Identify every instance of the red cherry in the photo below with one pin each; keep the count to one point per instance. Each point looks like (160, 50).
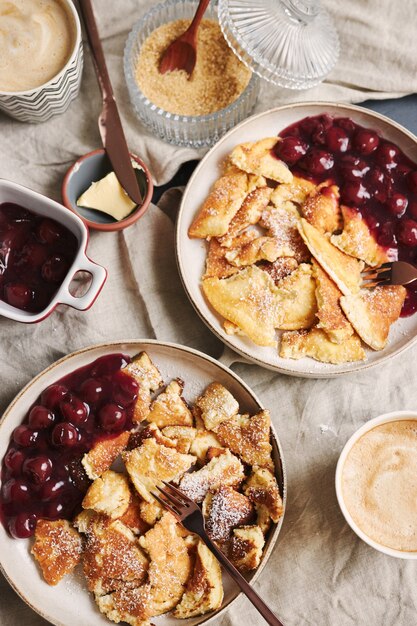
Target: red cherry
(38, 469)
(365, 141)
(397, 204)
(317, 161)
(52, 488)
(22, 526)
(53, 395)
(92, 390)
(18, 295)
(386, 236)
(347, 124)
(337, 139)
(41, 417)
(25, 436)
(49, 231)
(387, 155)
(290, 149)
(125, 389)
(54, 510)
(14, 461)
(407, 232)
(412, 181)
(55, 269)
(354, 193)
(112, 417)
(316, 125)
(64, 435)
(353, 168)
(16, 490)
(73, 409)
(108, 365)
(33, 254)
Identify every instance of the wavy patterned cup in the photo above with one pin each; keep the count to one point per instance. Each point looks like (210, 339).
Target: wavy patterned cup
(55, 96)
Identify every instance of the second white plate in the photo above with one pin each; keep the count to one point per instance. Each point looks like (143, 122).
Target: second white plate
(191, 253)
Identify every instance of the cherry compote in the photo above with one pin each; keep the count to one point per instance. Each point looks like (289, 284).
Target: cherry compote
(35, 255)
(373, 175)
(42, 474)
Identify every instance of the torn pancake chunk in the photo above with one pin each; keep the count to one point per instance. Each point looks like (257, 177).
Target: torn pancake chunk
(57, 548)
(216, 404)
(247, 299)
(170, 408)
(151, 463)
(249, 438)
(204, 590)
(344, 270)
(225, 469)
(357, 241)
(222, 204)
(257, 157)
(330, 315)
(109, 494)
(149, 380)
(372, 311)
(316, 344)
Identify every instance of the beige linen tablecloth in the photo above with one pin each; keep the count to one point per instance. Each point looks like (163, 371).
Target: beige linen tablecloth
(320, 573)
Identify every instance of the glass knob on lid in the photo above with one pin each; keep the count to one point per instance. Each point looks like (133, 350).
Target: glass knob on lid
(290, 43)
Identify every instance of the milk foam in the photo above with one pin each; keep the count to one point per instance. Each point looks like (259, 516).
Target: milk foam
(379, 484)
(36, 40)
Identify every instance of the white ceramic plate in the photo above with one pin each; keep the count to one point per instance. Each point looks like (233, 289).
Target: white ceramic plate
(191, 253)
(70, 603)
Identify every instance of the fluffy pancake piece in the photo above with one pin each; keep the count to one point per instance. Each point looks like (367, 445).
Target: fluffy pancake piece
(296, 191)
(109, 494)
(151, 463)
(262, 490)
(216, 404)
(170, 564)
(249, 214)
(257, 157)
(245, 550)
(182, 436)
(259, 249)
(221, 205)
(225, 509)
(217, 265)
(112, 558)
(225, 469)
(321, 209)
(204, 591)
(130, 605)
(57, 549)
(330, 315)
(282, 223)
(372, 311)
(170, 408)
(248, 299)
(343, 269)
(316, 344)
(103, 454)
(356, 239)
(298, 305)
(248, 437)
(279, 269)
(149, 380)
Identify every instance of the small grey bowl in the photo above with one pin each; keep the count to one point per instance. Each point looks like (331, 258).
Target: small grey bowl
(90, 168)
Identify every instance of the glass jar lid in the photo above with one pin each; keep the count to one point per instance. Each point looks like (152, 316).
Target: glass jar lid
(290, 43)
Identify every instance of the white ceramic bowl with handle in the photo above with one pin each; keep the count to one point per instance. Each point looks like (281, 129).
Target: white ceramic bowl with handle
(387, 418)
(41, 205)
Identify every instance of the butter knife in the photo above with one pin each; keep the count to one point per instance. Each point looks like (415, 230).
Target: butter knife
(109, 123)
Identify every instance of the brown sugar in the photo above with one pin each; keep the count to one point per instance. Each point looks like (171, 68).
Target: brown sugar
(218, 79)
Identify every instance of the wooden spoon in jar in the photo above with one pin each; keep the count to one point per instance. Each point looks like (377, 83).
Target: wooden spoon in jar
(181, 54)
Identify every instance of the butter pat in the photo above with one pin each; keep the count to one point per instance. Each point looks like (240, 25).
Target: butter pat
(107, 195)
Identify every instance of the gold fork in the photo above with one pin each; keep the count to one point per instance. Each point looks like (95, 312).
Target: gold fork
(189, 514)
(394, 273)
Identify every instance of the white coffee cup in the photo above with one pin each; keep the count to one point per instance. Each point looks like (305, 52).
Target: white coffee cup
(53, 97)
(377, 421)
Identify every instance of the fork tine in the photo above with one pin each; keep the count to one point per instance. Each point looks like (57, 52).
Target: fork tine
(373, 272)
(175, 501)
(167, 506)
(371, 284)
(185, 500)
